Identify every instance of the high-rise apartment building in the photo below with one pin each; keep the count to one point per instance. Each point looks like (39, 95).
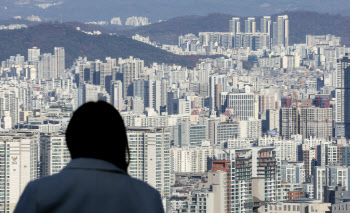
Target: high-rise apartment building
(150, 157)
(19, 163)
(309, 159)
(181, 132)
(164, 94)
(179, 106)
(288, 125)
(281, 31)
(225, 166)
(94, 74)
(272, 120)
(210, 199)
(60, 58)
(235, 25)
(105, 76)
(90, 92)
(320, 181)
(33, 54)
(137, 105)
(265, 25)
(316, 122)
(198, 134)
(274, 33)
(244, 105)
(47, 66)
(131, 69)
(152, 94)
(342, 94)
(260, 41)
(251, 128)
(54, 153)
(202, 200)
(139, 88)
(194, 159)
(117, 95)
(217, 84)
(99, 73)
(329, 176)
(9, 108)
(293, 172)
(225, 131)
(250, 25)
(254, 172)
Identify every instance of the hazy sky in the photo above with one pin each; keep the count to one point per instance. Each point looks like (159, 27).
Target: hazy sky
(91, 10)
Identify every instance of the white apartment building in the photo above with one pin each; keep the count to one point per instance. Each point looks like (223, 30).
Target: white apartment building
(235, 25)
(273, 120)
(90, 92)
(239, 143)
(338, 176)
(268, 140)
(281, 31)
(329, 176)
(201, 201)
(137, 21)
(244, 105)
(251, 128)
(192, 159)
(293, 172)
(150, 157)
(19, 163)
(131, 69)
(248, 177)
(289, 150)
(316, 122)
(313, 142)
(152, 95)
(218, 183)
(333, 154)
(117, 95)
(54, 153)
(212, 197)
(33, 54)
(9, 108)
(300, 206)
(60, 57)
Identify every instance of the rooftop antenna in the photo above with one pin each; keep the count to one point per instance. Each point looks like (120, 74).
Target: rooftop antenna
(61, 19)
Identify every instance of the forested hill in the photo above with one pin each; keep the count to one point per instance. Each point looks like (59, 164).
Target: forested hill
(301, 24)
(76, 43)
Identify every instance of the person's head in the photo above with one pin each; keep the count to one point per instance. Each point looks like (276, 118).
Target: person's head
(96, 130)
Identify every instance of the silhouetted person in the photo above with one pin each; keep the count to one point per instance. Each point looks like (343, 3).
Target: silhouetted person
(96, 179)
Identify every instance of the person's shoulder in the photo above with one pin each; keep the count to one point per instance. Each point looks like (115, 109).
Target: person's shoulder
(46, 181)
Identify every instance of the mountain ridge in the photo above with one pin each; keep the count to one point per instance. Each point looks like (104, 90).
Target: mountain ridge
(76, 43)
(301, 24)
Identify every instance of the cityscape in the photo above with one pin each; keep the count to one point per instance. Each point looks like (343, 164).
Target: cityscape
(257, 125)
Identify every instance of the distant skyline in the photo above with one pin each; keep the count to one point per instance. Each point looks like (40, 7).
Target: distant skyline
(92, 10)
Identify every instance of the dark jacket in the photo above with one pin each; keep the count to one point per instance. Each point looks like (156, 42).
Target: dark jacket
(89, 185)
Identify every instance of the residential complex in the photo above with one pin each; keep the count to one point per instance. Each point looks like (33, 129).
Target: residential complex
(263, 129)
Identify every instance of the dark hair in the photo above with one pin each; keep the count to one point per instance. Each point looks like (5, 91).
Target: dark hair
(96, 130)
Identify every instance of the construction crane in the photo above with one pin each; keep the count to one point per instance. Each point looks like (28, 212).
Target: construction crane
(296, 97)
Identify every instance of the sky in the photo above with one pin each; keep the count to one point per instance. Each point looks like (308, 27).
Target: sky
(95, 10)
